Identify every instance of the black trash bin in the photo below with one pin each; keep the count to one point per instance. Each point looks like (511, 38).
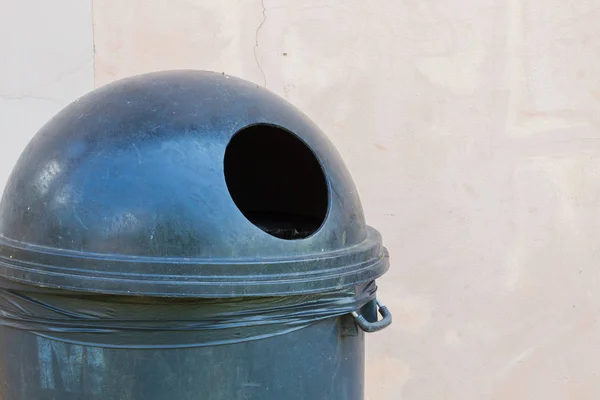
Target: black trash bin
(184, 235)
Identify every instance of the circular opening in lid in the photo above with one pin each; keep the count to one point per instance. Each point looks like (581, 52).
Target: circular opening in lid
(276, 181)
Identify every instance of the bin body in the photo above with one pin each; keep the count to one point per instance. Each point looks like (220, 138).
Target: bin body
(184, 235)
(319, 362)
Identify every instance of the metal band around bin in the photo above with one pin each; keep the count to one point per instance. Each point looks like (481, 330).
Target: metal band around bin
(192, 277)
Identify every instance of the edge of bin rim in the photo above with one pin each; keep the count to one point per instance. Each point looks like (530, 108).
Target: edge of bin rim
(115, 274)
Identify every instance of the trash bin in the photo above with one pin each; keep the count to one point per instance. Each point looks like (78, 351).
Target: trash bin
(184, 235)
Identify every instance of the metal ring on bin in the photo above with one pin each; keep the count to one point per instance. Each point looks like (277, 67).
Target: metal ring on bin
(369, 327)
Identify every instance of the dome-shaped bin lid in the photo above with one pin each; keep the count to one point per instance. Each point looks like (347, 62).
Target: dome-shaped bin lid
(184, 184)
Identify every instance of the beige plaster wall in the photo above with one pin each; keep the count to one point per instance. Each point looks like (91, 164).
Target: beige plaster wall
(472, 131)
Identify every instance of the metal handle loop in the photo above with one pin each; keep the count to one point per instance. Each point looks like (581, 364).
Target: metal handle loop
(384, 322)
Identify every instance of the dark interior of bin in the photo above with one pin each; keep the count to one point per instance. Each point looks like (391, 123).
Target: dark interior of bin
(276, 181)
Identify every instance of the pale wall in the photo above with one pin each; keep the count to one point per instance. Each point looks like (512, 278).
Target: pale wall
(471, 129)
(46, 61)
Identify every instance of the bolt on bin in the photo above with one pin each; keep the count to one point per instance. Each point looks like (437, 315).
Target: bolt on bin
(184, 235)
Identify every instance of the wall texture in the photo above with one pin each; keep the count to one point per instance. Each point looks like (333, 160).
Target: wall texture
(471, 128)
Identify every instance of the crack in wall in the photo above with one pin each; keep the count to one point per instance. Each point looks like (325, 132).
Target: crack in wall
(264, 13)
(29, 97)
